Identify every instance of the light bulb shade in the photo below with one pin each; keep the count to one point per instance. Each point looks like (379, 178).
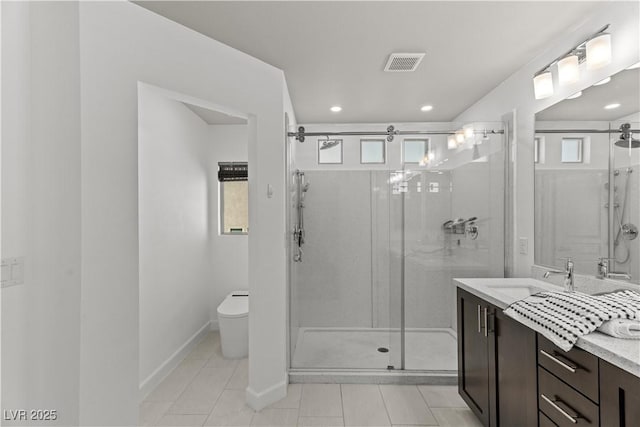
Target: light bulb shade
(543, 85)
(568, 70)
(599, 51)
(459, 137)
(468, 132)
(452, 144)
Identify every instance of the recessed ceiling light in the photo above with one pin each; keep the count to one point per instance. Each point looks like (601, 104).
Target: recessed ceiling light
(634, 66)
(603, 81)
(575, 95)
(426, 108)
(336, 108)
(611, 106)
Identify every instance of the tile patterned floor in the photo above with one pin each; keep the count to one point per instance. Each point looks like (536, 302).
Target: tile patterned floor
(208, 390)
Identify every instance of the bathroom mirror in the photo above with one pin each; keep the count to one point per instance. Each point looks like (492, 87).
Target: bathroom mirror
(587, 176)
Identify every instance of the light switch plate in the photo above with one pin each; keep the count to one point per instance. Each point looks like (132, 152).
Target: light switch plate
(12, 272)
(523, 244)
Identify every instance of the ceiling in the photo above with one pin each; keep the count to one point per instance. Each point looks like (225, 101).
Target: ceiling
(334, 52)
(623, 89)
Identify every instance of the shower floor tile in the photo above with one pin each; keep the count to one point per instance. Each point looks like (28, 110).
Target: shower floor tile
(349, 348)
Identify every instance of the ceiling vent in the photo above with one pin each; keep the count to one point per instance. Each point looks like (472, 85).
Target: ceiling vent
(403, 62)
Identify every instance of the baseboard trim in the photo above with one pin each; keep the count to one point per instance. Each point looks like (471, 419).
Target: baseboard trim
(259, 401)
(152, 381)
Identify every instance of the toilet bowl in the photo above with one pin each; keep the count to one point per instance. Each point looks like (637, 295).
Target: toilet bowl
(233, 319)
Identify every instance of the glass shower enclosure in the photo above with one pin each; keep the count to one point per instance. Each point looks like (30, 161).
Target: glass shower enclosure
(376, 244)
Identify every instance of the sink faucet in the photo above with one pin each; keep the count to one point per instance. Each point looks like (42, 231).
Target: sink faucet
(568, 275)
(604, 273)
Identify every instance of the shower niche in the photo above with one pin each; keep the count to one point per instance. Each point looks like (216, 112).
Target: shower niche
(371, 291)
(587, 180)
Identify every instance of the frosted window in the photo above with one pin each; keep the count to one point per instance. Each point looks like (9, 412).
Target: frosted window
(330, 151)
(571, 150)
(414, 150)
(372, 151)
(234, 207)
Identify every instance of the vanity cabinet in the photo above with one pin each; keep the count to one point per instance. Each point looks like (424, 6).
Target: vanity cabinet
(619, 397)
(496, 364)
(510, 376)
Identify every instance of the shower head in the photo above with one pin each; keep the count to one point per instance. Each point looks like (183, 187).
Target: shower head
(328, 143)
(626, 139)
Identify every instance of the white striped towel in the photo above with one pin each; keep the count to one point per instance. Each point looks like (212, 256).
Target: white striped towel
(563, 317)
(621, 328)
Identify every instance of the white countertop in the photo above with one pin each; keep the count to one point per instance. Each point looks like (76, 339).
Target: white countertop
(622, 353)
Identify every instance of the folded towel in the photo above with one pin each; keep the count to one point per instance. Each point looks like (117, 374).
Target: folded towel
(564, 317)
(621, 328)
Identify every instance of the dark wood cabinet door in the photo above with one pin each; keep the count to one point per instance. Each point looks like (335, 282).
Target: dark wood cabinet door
(619, 397)
(516, 373)
(473, 362)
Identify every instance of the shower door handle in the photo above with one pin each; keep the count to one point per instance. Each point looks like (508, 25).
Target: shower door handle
(479, 320)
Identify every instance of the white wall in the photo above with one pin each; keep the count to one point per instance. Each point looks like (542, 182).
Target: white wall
(121, 44)
(82, 198)
(516, 94)
(41, 207)
(174, 161)
(228, 143)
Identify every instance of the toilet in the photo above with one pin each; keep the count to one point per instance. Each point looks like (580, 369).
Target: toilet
(233, 319)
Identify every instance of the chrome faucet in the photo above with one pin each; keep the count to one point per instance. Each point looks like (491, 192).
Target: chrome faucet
(604, 273)
(569, 285)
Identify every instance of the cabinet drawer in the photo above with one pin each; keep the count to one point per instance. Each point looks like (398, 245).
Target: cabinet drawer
(562, 404)
(545, 421)
(576, 367)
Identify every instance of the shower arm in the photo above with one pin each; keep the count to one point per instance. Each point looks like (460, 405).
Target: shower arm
(391, 131)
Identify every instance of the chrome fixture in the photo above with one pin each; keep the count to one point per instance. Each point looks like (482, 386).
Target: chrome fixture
(328, 143)
(298, 232)
(569, 285)
(390, 133)
(467, 227)
(604, 273)
(626, 139)
(595, 51)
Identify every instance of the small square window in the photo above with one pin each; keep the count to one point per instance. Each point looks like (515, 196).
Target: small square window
(329, 151)
(414, 150)
(571, 150)
(372, 151)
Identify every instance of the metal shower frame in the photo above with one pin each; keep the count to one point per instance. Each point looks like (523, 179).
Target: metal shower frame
(390, 133)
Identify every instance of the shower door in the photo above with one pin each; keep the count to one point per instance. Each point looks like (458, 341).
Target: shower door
(451, 210)
(340, 315)
(371, 283)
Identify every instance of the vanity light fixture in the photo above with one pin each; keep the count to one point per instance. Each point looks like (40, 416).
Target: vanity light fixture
(568, 69)
(468, 132)
(599, 51)
(426, 108)
(459, 137)
(575, 95)
(595, 51)
(543, 85)
(603, 81)
(611, 106)
(336, 109)
(452, 143)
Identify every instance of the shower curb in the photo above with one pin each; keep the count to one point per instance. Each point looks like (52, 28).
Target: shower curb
(373, 377)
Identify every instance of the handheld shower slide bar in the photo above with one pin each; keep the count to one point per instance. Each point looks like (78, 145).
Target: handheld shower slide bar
(298, 233)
